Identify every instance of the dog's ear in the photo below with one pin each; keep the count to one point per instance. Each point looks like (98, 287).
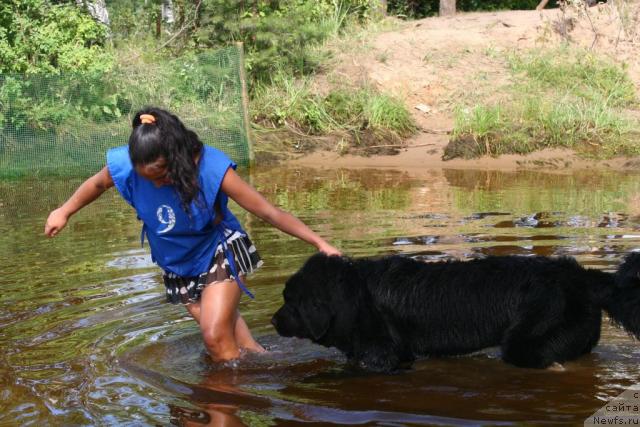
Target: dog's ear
(316, 316)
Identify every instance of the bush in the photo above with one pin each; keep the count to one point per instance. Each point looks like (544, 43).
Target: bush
(275, 34)
(37, 37)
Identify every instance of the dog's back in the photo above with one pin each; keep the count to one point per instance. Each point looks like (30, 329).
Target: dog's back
(457, 307)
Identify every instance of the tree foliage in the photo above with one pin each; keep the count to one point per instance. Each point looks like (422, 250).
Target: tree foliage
(275, 33)
(37, 36)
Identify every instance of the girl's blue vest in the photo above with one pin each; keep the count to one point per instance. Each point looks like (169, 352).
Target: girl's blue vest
(179, 244)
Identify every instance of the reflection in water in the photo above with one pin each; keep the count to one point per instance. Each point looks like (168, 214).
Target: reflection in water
(453, 391)
(85, 339)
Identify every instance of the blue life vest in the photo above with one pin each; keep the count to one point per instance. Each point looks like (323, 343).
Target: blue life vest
(179, 244)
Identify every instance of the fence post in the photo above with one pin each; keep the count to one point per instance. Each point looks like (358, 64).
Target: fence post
(245, 104)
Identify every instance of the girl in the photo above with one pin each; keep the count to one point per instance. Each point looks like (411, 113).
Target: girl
(179, 189)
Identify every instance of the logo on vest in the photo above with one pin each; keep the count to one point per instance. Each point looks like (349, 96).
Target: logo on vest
(166, 216)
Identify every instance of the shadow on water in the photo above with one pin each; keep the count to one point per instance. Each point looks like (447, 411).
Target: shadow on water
(86, 340)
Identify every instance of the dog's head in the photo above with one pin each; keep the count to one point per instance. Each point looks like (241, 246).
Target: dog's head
(317, 301)
(628, 274)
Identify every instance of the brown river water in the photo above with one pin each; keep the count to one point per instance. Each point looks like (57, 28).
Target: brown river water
(86, 339)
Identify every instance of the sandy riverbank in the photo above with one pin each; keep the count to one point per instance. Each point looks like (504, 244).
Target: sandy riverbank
(433, 62)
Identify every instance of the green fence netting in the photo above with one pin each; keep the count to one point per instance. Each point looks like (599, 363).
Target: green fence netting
(62, 125)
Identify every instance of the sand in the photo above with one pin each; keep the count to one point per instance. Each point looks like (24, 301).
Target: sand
(434, 62)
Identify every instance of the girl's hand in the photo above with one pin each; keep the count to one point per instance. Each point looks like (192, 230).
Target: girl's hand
(55, 222)
(328, 249)
(88, 191)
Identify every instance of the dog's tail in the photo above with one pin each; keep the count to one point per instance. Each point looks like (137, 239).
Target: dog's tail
(622, 299)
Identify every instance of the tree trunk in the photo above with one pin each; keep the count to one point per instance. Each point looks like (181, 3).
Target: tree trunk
(167, 12)
(97, 9)
(382, 7)
(158, 23)
(542, 4)
(447, 7)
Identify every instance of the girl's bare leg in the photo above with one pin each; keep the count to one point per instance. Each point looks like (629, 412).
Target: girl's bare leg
(242, 334)
(218, 313)
(244, 338)
(194, 311)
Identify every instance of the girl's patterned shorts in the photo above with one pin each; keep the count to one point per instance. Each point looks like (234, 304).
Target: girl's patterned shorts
(187, 290)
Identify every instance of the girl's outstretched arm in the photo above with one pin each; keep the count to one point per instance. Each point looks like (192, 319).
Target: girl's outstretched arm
(251, 200)
(88, 191)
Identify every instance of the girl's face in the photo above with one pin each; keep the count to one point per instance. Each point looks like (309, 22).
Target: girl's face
(156, 172)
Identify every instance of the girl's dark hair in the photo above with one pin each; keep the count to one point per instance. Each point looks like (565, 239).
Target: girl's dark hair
(168, 138)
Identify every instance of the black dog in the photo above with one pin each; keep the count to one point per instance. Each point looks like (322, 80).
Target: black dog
(383, 313)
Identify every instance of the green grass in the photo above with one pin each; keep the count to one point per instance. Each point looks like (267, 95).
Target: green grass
(359, 113)
(386, 112)
(559, 98)
(576, 72)
(293, 107)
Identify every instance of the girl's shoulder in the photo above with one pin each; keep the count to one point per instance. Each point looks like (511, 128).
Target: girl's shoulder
(217, 159)
(118, 161)
(213, 152)
(121, 169)
(120, 151)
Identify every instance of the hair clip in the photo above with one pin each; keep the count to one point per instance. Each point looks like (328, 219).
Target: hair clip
(147, 119)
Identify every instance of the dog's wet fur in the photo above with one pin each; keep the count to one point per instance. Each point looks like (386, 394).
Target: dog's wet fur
(384, 313)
